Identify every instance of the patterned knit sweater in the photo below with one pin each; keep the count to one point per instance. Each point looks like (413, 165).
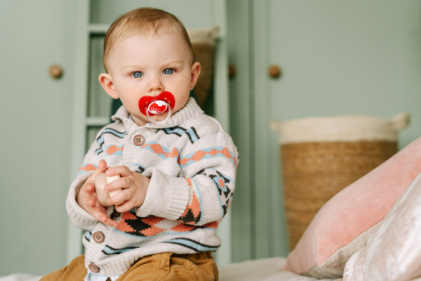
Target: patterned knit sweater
(191, 163)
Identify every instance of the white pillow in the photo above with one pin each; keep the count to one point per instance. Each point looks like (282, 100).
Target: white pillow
(393, 252)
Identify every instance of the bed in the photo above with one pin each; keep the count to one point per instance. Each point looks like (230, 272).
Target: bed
(263, 269)
(257, 270)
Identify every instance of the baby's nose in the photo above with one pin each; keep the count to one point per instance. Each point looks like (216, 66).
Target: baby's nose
(155, 86)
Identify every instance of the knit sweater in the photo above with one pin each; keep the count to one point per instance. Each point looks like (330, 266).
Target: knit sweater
(191, 163)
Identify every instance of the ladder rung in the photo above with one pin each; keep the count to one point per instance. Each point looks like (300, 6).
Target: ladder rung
(97, 121)
(98, 29)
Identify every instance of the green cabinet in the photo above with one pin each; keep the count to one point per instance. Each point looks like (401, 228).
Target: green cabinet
(36, 117)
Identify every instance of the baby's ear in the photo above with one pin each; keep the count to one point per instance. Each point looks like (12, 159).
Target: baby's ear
(195, 72)
(106, 82)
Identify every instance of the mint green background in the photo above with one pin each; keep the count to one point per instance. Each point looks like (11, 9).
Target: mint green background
(338, 57)
(35, 121)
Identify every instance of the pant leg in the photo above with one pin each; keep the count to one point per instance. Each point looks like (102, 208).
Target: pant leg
(199, 266)
(75, 271)
(169, 266)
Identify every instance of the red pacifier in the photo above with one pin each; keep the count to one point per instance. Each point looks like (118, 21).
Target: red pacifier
(150, 106)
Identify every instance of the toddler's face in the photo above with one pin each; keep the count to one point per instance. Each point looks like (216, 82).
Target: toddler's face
(147, 66)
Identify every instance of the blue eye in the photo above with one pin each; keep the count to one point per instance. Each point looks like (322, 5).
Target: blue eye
(137, 74)
(168, 71)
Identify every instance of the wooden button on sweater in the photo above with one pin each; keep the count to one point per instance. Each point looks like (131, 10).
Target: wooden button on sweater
(93, 268)
(138, 140)
(98, 237)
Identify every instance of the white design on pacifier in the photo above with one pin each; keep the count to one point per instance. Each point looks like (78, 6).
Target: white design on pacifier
(158, 107)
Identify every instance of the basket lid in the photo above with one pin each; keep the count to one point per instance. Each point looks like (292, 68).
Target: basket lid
(340, 128)
(203, 36)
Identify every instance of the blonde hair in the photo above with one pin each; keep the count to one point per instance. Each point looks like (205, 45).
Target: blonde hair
(144, 21)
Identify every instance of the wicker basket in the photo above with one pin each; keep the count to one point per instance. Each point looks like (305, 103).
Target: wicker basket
(203, 42)
(321, 156)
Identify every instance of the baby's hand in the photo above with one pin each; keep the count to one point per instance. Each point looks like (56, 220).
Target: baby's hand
(134, 187)
(87, 198)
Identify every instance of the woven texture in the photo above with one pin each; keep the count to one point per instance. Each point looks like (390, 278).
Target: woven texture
(313, 172)
(205, 55)
(203, 42)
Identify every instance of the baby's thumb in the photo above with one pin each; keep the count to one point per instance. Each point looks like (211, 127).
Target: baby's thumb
(102, 167)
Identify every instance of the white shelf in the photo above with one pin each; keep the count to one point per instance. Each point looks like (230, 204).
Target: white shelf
(98, 29)
(97, 121)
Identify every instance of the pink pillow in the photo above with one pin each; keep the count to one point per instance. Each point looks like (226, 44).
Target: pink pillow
(343, 225)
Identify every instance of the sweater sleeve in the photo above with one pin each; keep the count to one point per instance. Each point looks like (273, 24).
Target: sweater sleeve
(203, 192)
(77, 214)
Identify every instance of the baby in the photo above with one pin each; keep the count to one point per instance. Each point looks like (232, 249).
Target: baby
(177, 169)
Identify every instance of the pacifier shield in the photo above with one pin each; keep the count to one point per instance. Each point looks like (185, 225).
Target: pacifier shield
(156, 105)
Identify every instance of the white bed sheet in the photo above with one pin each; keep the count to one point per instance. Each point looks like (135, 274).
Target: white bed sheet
(261, 270)
(20, 277)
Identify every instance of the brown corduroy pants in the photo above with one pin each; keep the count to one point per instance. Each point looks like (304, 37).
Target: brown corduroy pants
(165, 266)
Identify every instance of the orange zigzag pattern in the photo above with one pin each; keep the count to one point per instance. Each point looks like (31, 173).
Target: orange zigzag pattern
(194, 205)
(213, 225)
(184, 228)
(87, 168)
(157, 149)
(113, 149)
(153, 230)
(200, 154)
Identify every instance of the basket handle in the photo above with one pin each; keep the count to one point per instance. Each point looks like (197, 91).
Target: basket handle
(399, 121)
(275, 125)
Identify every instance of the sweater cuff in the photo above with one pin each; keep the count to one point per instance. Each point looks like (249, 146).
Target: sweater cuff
(167, 197)
(77, 214)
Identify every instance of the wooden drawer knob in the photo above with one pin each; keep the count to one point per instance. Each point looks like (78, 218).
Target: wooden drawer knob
(55, 71)
(274, 71)
(231, 70)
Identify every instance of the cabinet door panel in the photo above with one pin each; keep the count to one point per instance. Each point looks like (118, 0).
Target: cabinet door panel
(35, 114)
(346, 57)
(338, 58)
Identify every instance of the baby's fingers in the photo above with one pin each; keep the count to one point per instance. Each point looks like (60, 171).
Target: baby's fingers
(123, 171)
(117, 184)
(90, 188)
(119, 198)
(104, 219)
(91, 202)
(102, 167)
(126, 206)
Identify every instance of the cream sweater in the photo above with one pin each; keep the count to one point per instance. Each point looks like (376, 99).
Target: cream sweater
(191, 163)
